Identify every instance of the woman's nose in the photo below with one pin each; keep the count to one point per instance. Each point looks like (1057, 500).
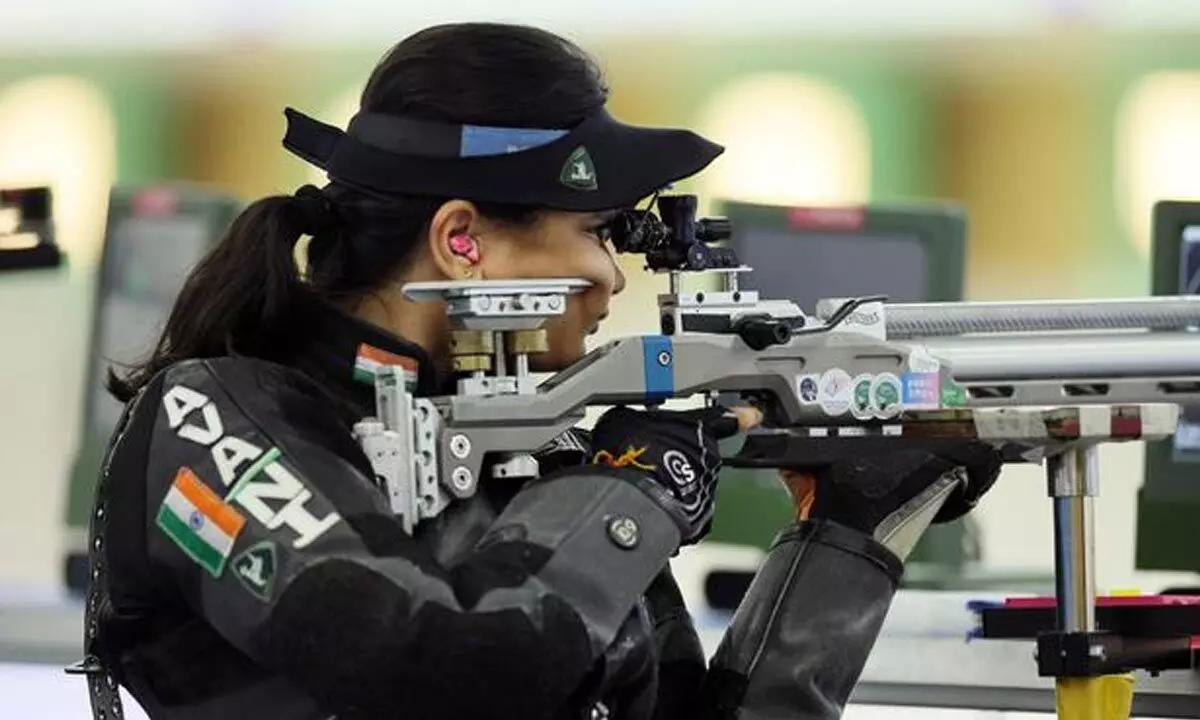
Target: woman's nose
(618, 278)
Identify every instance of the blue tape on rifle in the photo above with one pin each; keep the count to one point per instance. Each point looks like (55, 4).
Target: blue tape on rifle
(658, 356)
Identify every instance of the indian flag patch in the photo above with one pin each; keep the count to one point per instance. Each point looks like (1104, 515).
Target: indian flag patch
(202, 524)
(371, 358)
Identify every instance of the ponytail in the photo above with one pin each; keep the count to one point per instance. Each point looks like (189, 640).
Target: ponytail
(245, 297)
(241, 298)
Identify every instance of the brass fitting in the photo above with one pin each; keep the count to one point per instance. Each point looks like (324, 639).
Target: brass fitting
(524, 342)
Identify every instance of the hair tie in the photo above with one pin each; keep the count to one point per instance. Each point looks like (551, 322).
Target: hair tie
(315, 212)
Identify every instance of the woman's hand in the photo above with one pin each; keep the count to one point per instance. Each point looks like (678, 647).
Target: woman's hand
(677, 451)
(871, 493)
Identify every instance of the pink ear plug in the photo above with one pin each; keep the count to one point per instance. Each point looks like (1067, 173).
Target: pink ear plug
(465, 246)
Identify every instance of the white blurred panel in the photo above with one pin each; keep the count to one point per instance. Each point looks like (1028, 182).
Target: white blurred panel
(789, 139)
(1157, 147)
(58, 131)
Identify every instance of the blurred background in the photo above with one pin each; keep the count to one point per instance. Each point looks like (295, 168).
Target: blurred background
(1055, 124)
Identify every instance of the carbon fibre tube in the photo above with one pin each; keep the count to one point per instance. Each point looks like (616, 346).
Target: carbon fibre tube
(916, 320)
(1067, 356)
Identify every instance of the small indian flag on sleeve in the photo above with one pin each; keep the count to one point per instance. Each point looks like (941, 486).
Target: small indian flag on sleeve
(202, 524)
(370, 358)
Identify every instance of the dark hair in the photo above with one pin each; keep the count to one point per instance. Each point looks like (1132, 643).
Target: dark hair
(243, 297)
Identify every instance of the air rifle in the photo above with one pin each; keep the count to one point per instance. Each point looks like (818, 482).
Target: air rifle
(1033, 377)
(1044, 381)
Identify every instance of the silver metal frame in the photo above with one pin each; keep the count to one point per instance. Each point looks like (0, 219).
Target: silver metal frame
(1013, 364)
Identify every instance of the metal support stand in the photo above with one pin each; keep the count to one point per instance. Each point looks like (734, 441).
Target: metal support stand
(1074, 481)
(1077, 653)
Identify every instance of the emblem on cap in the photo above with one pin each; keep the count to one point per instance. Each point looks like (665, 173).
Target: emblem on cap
(578, 172)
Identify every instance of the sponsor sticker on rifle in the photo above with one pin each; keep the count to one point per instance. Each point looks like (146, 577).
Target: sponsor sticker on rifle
(860, 397)
(886, 396)
(920, 390)
(920, 361)
(834, 392)
(807, 388)
(953, 395)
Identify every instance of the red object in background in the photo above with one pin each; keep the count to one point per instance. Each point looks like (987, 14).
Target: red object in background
(1134, 601)
(155, 201)
(827, 218)
(1110, 601)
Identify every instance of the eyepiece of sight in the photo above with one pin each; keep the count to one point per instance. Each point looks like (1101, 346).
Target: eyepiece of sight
(674, 239)
(710, 230)
(637, 231)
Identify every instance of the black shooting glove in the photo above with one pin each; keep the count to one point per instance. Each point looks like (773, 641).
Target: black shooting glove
(572, 448)
(895, 495)
(982, 463)
(675, 450)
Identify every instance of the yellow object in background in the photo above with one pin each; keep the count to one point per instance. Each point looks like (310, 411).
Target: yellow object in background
(1109, 697)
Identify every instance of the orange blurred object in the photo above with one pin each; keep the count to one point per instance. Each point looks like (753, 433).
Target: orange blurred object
(803, 489)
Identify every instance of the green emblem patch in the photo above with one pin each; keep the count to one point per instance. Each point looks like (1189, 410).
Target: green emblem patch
(255, 568)
(578, 172)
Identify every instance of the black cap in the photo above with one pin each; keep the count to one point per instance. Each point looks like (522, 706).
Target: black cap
(600, 164)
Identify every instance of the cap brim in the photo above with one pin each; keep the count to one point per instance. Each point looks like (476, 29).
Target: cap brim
(599, 165)
(633, 162)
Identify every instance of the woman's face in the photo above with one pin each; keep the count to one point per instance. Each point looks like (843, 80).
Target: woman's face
(559, 245)
(556, 245)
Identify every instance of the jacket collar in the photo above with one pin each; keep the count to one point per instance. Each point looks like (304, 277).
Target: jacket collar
(342, 352)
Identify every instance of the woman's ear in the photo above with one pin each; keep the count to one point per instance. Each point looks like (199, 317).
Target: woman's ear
(455, 250)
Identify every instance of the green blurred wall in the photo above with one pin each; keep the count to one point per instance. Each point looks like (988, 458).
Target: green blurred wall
(144, 99)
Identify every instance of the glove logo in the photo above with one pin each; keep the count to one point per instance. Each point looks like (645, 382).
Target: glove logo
(629, 458)
(679, 468)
